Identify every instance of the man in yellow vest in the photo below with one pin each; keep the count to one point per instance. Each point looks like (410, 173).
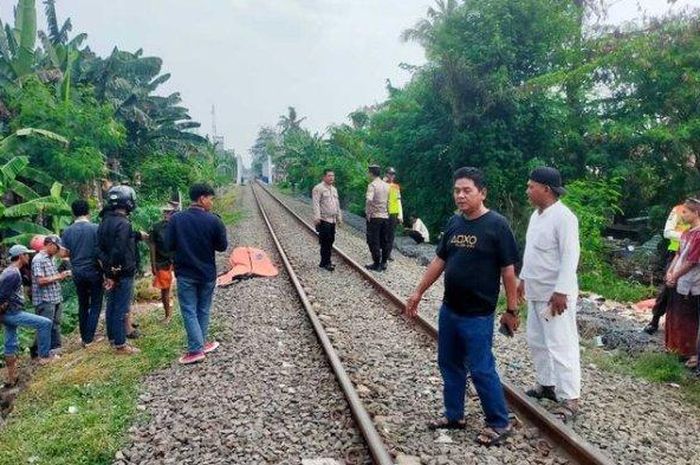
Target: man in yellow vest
(395, 207)
(674, 228)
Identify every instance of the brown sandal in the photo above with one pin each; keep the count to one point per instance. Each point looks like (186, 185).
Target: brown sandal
(567, 411)
(444, 423)
(127, 350)
(490, 436)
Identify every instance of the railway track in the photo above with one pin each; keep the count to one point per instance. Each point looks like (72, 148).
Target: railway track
(563, 441)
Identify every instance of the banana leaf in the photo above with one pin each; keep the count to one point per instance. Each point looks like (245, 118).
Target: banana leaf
(21, 189)
(25, 25)
(48, 205)
(25, 227)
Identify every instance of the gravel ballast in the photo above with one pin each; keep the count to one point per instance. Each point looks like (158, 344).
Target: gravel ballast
(633, 421)
(393, 365)
(266, 396)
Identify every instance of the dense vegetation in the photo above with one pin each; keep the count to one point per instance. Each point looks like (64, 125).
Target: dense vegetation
(513, 84)
(70, 120)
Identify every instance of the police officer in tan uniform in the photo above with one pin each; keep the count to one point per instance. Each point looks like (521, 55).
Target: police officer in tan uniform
(327, 214)
(377, 214)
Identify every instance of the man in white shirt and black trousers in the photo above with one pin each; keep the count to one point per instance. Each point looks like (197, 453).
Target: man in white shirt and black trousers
(327, 214)
(550, 287)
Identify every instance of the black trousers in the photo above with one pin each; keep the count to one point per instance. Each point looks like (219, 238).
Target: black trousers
(326, 237)
(661, 303)
(393, 222)
(90, 294)
(378, 239)
(416, 236)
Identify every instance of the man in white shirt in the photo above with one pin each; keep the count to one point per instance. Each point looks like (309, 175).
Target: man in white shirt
(327, 214)
(418, 231)
(549, 284)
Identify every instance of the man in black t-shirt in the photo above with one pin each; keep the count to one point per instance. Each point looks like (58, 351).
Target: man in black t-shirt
(477, 251)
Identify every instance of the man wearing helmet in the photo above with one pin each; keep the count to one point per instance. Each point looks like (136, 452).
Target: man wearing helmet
(116, 243)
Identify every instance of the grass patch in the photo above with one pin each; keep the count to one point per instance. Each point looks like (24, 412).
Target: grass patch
(656, 367)
(103, 387)
(225, 206)
(609, 285)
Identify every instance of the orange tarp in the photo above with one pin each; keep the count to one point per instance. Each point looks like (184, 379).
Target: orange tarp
(247, 262)
(644, 305)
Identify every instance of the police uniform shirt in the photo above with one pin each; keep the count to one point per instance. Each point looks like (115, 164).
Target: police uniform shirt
(474, 252)
(377, 199)
(325, 203)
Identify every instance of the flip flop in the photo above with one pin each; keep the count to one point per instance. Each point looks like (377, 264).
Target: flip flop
(566, 412)
(490, 436)
(444, 423)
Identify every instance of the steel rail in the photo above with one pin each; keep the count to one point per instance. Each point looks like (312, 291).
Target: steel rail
(376, 446)
(562, 435)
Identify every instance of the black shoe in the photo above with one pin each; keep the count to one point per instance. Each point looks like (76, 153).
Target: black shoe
(328, 267)
(650, 328)
(383, 266)
(374, 267)
(542, 392)
(391, 259)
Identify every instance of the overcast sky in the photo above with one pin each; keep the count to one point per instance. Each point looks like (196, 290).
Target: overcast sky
(254, 58)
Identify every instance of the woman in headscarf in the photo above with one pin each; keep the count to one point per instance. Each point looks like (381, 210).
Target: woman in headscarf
(684, 277)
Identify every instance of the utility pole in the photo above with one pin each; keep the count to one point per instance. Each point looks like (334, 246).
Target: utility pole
(213, 122)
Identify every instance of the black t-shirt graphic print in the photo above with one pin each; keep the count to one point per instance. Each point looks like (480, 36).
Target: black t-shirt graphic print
(474, 252)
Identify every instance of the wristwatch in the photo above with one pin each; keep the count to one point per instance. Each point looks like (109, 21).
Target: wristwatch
(513, 312)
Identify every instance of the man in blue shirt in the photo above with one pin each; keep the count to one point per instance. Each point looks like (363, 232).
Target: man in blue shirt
(477, 251)
(80, 242)
(195, 235)
(13, 316)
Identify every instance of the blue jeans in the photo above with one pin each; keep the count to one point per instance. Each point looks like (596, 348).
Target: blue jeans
(195, 304)
(118, 303)
(90, 293)
(465, 346)
(15, 318)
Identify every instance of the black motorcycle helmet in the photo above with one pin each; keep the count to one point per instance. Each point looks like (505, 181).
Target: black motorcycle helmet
(121, 197)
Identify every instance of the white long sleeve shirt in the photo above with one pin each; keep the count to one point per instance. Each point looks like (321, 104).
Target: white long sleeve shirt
(419, 226)
(551, 253)
(671, 229)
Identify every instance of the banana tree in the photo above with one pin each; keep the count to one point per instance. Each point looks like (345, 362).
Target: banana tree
(26, 218)
(17, 44)
(60, 56)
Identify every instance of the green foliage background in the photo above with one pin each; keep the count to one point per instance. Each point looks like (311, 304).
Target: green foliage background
(514, 84)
